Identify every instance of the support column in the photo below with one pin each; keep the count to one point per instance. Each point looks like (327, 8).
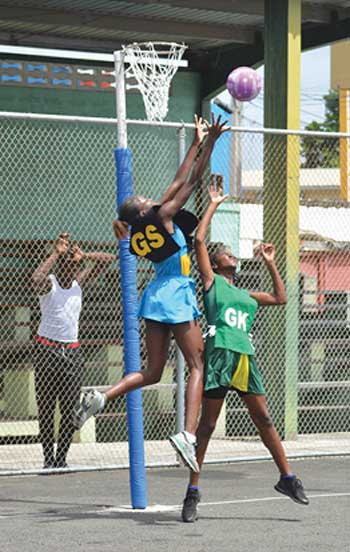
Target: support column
(343, 144)
(281, 205)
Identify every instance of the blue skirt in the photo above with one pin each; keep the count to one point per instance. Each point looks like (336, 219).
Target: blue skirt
(170, 299)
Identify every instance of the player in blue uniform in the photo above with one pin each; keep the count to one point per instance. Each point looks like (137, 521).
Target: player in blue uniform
(159, 232)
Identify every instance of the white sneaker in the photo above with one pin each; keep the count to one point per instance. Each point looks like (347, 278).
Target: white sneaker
(186, 450)
(92, 402)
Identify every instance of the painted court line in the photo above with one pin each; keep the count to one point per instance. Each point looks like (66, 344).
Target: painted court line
(268, 498)
(159, 508)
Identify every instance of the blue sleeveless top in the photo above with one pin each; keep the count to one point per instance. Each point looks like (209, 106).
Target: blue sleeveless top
(171, 297)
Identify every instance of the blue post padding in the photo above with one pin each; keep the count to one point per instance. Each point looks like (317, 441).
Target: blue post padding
(138, 488)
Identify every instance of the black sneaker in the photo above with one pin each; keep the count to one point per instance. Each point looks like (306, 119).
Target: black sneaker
(292, 487)
(189, 508)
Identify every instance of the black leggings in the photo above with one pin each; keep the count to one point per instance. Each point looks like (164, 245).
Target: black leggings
(58, 376)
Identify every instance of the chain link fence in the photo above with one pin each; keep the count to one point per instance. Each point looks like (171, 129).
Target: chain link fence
(58, 174)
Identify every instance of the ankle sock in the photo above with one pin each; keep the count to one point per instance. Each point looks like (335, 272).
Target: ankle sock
(193, 488)
(288, 476)
(190, 437)
(102, 400)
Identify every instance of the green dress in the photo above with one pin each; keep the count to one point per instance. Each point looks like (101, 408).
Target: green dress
(229, 353)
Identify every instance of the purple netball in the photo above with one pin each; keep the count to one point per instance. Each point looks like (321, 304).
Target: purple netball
(244, 84)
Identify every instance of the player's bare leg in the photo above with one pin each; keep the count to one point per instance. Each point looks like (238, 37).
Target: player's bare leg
(157, 344)
(189, 338)
(211, 409)
(288, 483)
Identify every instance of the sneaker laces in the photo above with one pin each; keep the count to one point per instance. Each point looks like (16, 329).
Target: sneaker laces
(88, 399)
(192, 497)
(299, 487)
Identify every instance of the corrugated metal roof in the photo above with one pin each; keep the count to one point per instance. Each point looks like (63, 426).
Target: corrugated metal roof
(329, 3)
(147, 9)
(202, 25)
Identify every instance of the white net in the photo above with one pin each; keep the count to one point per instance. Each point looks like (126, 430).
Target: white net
(153, 65)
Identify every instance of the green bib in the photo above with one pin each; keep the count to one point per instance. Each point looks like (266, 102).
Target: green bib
(234, 316)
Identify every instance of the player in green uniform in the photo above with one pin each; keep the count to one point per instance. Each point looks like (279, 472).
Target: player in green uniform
(229, 355)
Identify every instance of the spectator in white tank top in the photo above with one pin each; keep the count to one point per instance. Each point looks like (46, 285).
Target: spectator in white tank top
(58, 359)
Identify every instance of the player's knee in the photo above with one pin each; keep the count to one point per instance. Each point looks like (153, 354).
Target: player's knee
(156, 378)
(196, 363)
(152, 377)
(263, 420)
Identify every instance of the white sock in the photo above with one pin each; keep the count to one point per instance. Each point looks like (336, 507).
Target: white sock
(190, 437)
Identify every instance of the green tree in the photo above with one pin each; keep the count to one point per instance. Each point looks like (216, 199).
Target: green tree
(323, 152)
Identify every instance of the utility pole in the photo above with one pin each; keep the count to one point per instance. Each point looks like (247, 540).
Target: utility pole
(234, 108)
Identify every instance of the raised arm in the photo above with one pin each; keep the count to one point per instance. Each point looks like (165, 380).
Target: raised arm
(121, 228)
(279, 296)
(40, 277)
(206, 272)
(186, 166)
(100, 263)
(169, 209)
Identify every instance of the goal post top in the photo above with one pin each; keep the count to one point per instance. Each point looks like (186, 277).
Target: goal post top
(82, 56)
(160, 48)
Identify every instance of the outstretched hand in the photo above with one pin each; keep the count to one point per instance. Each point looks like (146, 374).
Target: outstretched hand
(200, 129)
(120, 229)
(216, 194)
(216, 128)
(77, 254)
(62, 243)
(268, 252)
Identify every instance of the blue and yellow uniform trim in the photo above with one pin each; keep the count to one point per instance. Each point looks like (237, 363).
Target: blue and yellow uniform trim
(171, 297)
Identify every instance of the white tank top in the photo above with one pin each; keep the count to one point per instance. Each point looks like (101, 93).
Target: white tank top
(60, 311)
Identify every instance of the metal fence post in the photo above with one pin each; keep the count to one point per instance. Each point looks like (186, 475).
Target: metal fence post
(128, 269)
(180, 361)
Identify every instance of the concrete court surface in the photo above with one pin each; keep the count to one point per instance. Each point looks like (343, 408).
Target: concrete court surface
(240, 511)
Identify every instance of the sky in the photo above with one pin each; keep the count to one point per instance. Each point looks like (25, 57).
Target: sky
(315, 83)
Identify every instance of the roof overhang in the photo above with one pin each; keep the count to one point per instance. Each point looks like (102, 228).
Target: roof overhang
(221, 35)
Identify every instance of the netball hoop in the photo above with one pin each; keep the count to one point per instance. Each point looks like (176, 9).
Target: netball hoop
(150, 67)
(153, 66)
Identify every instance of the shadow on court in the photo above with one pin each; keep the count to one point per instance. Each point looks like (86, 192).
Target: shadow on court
(239, 511)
